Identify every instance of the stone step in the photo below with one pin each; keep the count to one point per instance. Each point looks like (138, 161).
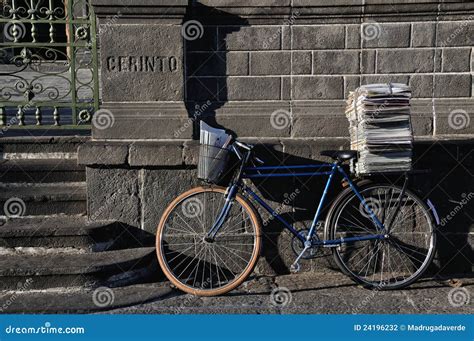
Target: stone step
(41, 171)
(71, 231)
(81, 300)
(73, 269)
(31, 199)
(41, 147)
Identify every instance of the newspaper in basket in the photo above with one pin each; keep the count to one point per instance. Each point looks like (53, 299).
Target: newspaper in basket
(213, 153)
(380, 127)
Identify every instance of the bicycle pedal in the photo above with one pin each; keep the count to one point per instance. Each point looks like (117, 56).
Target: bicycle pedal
(295, 267)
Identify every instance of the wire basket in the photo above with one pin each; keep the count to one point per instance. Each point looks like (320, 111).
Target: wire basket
(213, 163)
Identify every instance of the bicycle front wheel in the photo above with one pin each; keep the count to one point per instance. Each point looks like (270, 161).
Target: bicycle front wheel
(395, 261)
(196, 265)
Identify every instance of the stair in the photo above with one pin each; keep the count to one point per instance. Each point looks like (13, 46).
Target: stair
(41, 171)
(46, 241)
(69, 251)
(43, 199)
(40, 176)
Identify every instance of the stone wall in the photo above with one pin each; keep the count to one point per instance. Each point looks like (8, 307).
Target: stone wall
(276, 74)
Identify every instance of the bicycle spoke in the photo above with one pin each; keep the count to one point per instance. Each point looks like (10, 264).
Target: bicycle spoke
(202, 264)
(393, 261)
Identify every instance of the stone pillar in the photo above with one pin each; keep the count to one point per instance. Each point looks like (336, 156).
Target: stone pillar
(142, 69)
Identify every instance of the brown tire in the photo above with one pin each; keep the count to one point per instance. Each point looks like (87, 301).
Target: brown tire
(162, 244)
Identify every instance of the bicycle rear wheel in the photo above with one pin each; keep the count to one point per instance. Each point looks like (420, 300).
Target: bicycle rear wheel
(207, 268)
(399, 259)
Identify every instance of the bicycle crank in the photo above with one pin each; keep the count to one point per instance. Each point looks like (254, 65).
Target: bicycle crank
(298, 246)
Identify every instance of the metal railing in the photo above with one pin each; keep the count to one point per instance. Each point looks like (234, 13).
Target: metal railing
(48, 64)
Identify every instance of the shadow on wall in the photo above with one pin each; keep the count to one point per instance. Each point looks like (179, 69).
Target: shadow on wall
(206, 67)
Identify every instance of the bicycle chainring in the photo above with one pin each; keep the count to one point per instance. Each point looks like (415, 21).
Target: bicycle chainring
(298, 246)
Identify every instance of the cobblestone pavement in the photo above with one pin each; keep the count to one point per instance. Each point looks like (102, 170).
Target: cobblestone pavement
(312, 293)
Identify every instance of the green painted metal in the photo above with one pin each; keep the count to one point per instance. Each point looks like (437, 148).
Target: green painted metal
(48, 64)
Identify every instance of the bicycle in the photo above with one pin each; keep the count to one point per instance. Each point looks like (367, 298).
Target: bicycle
(209, 238)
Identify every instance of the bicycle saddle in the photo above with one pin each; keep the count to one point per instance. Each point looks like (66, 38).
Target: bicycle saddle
(341, 155)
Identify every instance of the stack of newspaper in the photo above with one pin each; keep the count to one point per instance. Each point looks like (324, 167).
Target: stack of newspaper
(380, 127)
(215, 137)
(213, 153)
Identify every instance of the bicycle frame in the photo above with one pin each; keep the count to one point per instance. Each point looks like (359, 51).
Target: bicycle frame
(324, 169)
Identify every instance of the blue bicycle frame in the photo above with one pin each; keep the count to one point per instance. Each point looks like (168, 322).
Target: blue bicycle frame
(324, 169)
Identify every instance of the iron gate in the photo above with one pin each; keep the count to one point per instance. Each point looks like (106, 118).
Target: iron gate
(48, 64)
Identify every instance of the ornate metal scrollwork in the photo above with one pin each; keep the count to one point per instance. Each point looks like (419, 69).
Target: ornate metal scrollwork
(48, 62)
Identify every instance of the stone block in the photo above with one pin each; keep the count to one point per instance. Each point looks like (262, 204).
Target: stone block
(217, 64)
(311, 149)
(191, 152)
(252, 88)
(286, 37)
(336, 62)
(423, 34)
(452, 85)
(202, 89)
(318, 37)
(270, 63)
(102, 153)
(350, 84)
(253, 38)
(322, 87)
(113, 194)
(367, 64)
(422, 117)
(286, 88)
(375, 34)
(320, 119)
(146, 69)
(421, 86)
(405, 61)
(456, 60)
(455, 33)
(156, 154)
(237, 63)
(353, 37)
(159, 188)
(371, 79)
(454, 117)
(250, 119)
(302, 63)
(145, 121)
